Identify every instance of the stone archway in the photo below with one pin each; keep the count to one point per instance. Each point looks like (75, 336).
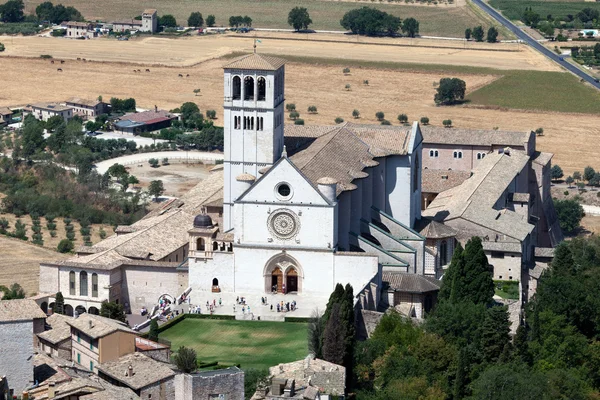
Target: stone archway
(93, 310)
(284, 273)
(44, 307)
(80, 310)
(68, 310)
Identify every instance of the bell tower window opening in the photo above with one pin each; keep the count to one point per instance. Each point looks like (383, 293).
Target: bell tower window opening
(262, 89)
(252, 123)
(237, 88)
(248, 88)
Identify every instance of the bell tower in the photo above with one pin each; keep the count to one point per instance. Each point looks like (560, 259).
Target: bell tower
(253, 121)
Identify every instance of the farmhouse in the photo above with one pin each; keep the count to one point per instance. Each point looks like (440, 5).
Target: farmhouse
(87, 108)
(56, 342)
(149, 20)
(45, 111)
(20, 320)
(146, 121)
(80, 29)
(126, 25)
(5, 115)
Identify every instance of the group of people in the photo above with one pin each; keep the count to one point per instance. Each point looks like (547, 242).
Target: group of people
(240, 300)
(285, 307)
(275, 287)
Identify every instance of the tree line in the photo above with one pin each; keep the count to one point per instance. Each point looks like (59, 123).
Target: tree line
(13, 11)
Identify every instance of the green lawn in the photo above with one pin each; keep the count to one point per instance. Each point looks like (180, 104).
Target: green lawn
(252, 344)
(513, 9)
(538, 90)
(434, 20)
(507, 289)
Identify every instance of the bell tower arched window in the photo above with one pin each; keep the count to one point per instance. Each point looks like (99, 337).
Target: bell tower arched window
(262, 88)
(83, 283)
(237, 88)
(248, 88)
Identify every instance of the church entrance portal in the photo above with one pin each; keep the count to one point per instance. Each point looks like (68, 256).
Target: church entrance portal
(291, 284)
(283, 274)
(277, 280)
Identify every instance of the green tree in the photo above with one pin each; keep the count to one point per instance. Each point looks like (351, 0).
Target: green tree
(195, 19)
(356, 113)
(312, 109)
(32, 139)
(290, 107)
(510, 381)
(447, 123)
(521, 345)
(153, 332)
(64, 246)
(577, 176)
(450, 91)
(4, 226)
(468, 33)
(570, 213)
(492, 35)
(588, 173)
(556, 172)
(495, 333)
(113, 310)
(410, 27)
(478, 33)
(12, 11)
(379, 115)
(53, 122)
(370, 21)
(59, 303)
(403, 118)
(210, 20)
(186, 359)
(15, 291)
(167, 21)
(462, 373)
(315, 334)
(294, 115)
(212, 114)
(2, 47)
(334, 346)
(153, 162)
(425, 120)
(299, 18)
(339, 120)
(156, 189)
(20, 230)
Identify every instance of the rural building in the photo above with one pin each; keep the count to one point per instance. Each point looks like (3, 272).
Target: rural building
(149, 21)
(20, 321)
(86, 108)
(146, 121)
(96, 340)
(45, 111)
(5, 115)
(80, 29)
(311, 378)
(56, 341)
(126, 25)
(218, 384)
(148, 378)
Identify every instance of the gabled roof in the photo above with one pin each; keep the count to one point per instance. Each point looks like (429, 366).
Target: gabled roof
(5, 111)
(411, 283)
(146, 371)
(256, 61)
(473, 137)
(439, 180)
(60, 329)
(96, 326)
(19, 310)
(434, 230)
(84, 102)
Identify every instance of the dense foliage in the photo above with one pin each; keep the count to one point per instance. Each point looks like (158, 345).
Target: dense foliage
(299, 18)
(570, 214)
(371, 21)
(15, 291)
(113, 310)
(464, 351)
(450, 91)
(47, 11)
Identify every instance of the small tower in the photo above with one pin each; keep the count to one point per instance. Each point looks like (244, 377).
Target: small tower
(253, 120)
(149, 21)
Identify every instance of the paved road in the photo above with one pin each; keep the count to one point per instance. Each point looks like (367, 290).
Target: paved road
(173, 156)
(533, 43)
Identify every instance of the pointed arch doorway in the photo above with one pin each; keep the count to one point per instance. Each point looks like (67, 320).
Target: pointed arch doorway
(283, 274)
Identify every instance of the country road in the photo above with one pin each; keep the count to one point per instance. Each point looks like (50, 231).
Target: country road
(173, 156)
(534, 43)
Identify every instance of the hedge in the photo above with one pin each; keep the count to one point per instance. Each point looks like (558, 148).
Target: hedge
(297, 319)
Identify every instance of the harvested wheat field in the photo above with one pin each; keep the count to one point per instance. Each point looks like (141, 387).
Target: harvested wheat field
(20, 263)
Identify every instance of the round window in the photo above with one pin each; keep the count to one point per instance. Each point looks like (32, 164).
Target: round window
(284, 190)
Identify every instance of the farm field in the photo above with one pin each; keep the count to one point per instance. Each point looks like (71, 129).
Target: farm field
(513, 9)
(20, 263)
(252, 344)
(438, 20)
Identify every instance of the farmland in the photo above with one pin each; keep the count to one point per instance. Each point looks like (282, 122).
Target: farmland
(513, 9)
(439, 20)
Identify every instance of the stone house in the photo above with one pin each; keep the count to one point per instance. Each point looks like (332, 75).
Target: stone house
(126, 25)
(5, 115)
(88, 109)
(97, 340)
(149, 20)
(148, 378)
(56, 341)
(80, 29)
(45, 111)
(219, 384)
(20, 322)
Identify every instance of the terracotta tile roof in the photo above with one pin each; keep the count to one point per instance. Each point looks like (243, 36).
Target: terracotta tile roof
(255, 61)
(411, 283)
(146, 371)
(5, 111)
(112, 392)
(330, 378)
(51, 106)
(60, 329)
(439, 180)
(149, 11)
(475, 199)
(79, 24)
(96, 326)
(83, 102)
(473, 137)
(19, 310)
(147, 116)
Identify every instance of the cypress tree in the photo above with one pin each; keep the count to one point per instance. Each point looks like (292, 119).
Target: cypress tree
(522, 346)
(478, 283)
(336, 296)
(59, 303)
(563, 263)
(460, 383)
(495, 333)
(347, 315)
(334, 342)
(535, 326)
(447, 281)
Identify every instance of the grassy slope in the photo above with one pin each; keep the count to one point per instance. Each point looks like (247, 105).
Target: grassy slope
(251, 344)
(434, 20)
(527, 90)
(548, 91)
(513, 9)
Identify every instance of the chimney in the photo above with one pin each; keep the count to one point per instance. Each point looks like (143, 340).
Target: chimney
(51, 390)
(91, 323)
(155, 108)
(25, 395)
(130, 371)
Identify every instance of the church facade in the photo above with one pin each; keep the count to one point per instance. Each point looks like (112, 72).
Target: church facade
(305, 210)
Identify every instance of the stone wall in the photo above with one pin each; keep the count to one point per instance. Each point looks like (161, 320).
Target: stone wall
(164, 390)
(205, 385)
(16, 340)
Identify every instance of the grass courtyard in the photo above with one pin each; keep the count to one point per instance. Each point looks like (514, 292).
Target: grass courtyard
(251, 344)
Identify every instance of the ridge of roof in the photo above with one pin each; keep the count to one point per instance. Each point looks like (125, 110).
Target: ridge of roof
(255, 61)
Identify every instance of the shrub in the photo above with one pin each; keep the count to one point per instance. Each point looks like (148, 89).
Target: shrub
(339, 120)
(290, 107)
(539, 131)
(71, 235)
(37, 239)
(64, 246)
(379, 115)
(294, 115)
(366, 82)
(85, 231)
(185, 359)
(385, 122)
(51, 226)
(403, 118)
(165, 161)
(425, 120)
(299, 122)
(312, 109)
(67, 221)
(153, 162)
(45, 56)
(20, 231)
(1, 47)
(566, 192)
(69, 228)
(356, 113)
(346, 71)
(102, 233)
(53, 233)
(447, 123)
(4, 225)
(347, 87)
(211, 114)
